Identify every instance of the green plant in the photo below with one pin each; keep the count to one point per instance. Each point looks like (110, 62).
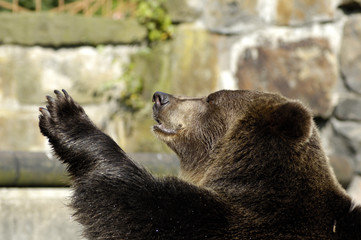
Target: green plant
(125, 91)
(153, 15)
(130, 98)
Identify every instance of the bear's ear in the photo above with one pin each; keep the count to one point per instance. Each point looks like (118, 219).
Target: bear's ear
(291, 120)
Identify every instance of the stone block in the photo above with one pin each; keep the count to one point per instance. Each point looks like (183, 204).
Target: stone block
(350, 130)
(19, 75)
(60, 30)
(231, 16)
(342, 157)
(194, 62)
(37, 213)
(347, 141)
(154, 67)
(27, 74)
(243, 16)
(305, 69)
(184, 10)
(350, 53)
(19, 130)
(299, 12)
(349, 109)
(188, 65)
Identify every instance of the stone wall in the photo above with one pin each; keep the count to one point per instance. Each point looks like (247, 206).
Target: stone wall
(309, 50)
(37, 214)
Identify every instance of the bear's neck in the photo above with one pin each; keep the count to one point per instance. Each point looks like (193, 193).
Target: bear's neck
(194, 159)
(192, 170)
(193, 166)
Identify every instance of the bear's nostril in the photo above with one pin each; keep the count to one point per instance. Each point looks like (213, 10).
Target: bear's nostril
(160, 98)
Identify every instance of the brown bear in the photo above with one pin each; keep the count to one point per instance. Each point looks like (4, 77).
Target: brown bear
(252, 167)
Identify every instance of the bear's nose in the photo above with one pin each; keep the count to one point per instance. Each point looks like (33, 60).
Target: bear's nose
(160, 99)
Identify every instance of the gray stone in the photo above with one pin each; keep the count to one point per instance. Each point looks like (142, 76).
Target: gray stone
(335, 144)
(242, 16)
(299, 12)
(350, 53)
(349, 109)
(305, 70)
(231, 16)
(184, 10)
(358, 164)
(37, 213)
(19, 129)
(347, 141)
(27, 74)
(351, 131)
(188, 65)
(194, 62)
(341, 157)
(60, 30)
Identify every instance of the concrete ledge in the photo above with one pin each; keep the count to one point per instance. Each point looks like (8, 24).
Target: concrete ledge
(37, 214)
(61, 30)
(35, 169)
(31, 169)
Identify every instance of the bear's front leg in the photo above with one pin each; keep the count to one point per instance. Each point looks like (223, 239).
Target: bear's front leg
(116, 199)
(73, 136)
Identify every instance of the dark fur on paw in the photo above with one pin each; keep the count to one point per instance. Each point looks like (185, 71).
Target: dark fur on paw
(60, 115)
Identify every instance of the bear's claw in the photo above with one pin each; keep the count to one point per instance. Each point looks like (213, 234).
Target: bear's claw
(44, 112)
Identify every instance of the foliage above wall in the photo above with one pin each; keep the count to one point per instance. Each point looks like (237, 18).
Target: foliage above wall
(154, 17)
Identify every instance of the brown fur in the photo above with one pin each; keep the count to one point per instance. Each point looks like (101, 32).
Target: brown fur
(261, 152)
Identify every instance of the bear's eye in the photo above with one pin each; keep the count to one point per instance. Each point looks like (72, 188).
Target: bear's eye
(210, 99)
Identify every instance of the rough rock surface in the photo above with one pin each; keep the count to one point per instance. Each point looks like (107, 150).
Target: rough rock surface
(294, 12)
(303, 70)
(349, 109)
(350, 54)
(37, 213)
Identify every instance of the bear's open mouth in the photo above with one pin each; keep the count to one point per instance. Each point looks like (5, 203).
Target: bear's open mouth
(160, 127)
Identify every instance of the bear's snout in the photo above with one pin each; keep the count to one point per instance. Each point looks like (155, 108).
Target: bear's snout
(160, 99)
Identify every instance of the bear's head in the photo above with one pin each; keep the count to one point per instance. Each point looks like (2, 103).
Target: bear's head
(234, 126)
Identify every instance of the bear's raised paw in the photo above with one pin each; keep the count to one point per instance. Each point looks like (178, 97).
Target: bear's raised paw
(61, 115)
